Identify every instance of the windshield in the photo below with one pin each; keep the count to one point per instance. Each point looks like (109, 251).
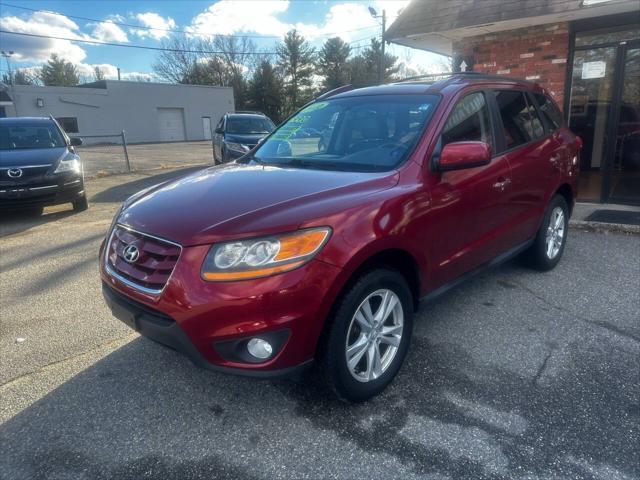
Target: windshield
(17, 137)
(249, 125)
(367, 133)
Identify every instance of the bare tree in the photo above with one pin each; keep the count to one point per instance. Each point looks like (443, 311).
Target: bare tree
(219, 60)
(176, 63)
(98, 74)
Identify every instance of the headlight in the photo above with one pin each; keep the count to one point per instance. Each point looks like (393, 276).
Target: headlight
(238, 147)
(70, 163)
(261, 257)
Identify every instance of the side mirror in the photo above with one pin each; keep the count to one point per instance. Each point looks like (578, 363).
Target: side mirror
(579, 142)
(75, 141)
(461, 155)
(219, 131)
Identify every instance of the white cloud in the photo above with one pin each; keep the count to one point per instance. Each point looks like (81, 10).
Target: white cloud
(87, 70)
(109, 32)
(154, 21)
(348, 20)
(227, 17)
(39, 49)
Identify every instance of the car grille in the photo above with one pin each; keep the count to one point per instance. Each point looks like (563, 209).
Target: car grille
(27, 173)
(154, 265)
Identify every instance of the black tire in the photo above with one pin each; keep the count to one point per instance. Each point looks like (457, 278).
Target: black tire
(81, 204)
(537, 256)
(224, 156)
(215, 158)
(333, 354)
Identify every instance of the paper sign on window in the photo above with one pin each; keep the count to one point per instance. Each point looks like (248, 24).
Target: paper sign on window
(593, 70)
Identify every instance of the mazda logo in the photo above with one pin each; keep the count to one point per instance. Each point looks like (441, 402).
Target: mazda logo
(14, 172)
(131, 253)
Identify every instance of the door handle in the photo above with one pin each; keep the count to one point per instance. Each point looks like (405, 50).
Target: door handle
(502, 184)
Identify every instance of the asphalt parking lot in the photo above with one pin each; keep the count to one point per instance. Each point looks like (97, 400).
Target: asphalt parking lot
(515, 374)
(99, 160)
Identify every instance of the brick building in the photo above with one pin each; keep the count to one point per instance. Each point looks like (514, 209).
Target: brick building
(586, 53)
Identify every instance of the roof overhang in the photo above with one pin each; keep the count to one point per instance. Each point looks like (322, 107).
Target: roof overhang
(442, 41)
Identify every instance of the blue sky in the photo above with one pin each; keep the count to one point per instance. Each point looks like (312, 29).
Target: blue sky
(266, 20)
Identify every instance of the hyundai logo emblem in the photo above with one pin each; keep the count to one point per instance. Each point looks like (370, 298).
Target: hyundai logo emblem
(131, 253)
(14, 172)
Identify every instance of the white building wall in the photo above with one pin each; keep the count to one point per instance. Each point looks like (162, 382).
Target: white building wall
(129, 106)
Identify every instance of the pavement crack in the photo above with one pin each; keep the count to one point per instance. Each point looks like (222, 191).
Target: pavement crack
(542, 367)
(63, 360)
(595, 323)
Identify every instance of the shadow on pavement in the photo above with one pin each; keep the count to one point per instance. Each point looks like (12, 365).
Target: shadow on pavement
(18, 221)
(119, 193)
(144, 411)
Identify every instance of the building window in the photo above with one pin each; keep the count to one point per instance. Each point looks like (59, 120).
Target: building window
(469, 121)
(68, 124)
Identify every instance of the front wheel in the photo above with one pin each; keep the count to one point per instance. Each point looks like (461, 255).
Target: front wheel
(548, 245)
(81, 204)
(369, 336)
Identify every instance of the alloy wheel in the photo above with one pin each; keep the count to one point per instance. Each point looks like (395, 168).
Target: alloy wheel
(555, 233)
(374, 335)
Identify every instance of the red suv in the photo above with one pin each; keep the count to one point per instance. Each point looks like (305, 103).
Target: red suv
(318, 245)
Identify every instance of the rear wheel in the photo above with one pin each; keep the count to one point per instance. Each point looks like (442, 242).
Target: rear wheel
(548, 246)
(369, 336)
(81, 204)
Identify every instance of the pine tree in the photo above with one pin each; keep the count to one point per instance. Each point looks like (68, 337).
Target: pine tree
(265, 91)
(59, 73)
(296, 60)
(332, 63)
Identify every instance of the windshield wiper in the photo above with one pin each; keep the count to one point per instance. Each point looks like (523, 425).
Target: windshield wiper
(321, 164)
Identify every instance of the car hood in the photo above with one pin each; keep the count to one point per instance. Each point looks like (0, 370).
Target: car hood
(239, 200)
(31, 156)
(247, 139)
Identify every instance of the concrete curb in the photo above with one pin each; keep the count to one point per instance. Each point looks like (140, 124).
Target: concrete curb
(601, 227)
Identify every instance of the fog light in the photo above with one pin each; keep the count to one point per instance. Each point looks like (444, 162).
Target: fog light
(259, 348)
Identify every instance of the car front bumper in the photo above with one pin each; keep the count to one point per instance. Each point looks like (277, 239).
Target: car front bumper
(52, 192)
(211, 321)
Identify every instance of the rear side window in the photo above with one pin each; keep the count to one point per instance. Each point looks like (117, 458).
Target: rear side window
(549, 111)
(68, 124)
(520, 121)
(469, 121)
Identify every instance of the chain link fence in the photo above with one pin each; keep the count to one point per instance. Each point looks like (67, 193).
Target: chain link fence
(110, 154)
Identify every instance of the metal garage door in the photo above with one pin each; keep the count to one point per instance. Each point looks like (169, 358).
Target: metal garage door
(171, 124)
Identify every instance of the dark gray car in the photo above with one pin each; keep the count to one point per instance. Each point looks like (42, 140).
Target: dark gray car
(39, 165)
(237, 133)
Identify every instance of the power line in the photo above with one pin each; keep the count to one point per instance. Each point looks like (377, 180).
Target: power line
(144, 47)
(141, 27)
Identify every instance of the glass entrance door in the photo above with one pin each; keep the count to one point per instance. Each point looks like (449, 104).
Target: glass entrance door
(625, 173)
(604, 110)
(592, 91)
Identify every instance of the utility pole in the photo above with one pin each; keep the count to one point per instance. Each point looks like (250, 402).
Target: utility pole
(7, 56)
(381, 68)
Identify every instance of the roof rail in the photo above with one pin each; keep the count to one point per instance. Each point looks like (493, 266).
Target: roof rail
(253, 112)
(335, 91)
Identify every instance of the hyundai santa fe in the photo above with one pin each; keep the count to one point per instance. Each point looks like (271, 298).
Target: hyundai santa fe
(318, 247)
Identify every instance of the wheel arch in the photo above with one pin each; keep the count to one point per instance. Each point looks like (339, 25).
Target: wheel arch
(567, 193)
(393, 257)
